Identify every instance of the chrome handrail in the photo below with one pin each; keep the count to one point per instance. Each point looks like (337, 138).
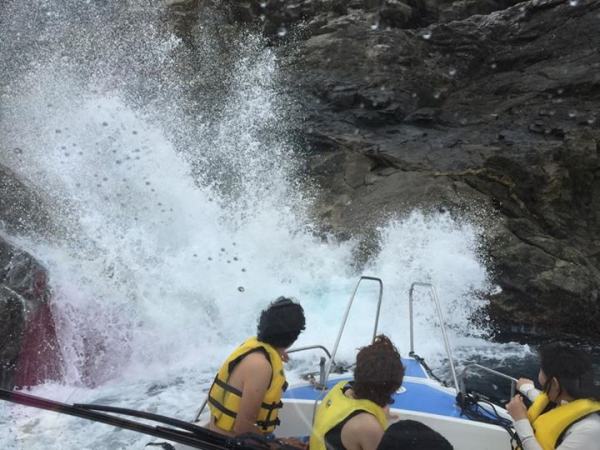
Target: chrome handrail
(310, 347)
(442, 326)
(321, 383)
(339, 336)
(463, 378)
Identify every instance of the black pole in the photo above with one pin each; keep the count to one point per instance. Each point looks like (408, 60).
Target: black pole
(209, 440)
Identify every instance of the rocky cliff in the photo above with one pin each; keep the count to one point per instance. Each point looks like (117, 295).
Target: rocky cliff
(484, 110)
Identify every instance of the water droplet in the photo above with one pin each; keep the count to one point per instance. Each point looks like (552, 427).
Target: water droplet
(67, 154)
(382, 88)
(57, 131)
(243, 270)
(591, 120)
(195, 255)
(426, 34)
(560, 91)
(241, 289)
(18, 151)
(147, 183)
(375, 26)
(104, 124)
(281, 32)
(263, 4)
(228, 262)
(118, 161)
(452, 72)
(235, 258)
(414, 95)
(572, 114)
(356, 131)
(134, 132)
(436, 95)
(573, 2)
(222, 249)
(463, 121)
(105, 179)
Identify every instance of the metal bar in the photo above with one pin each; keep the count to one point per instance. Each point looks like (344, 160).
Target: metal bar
(339, 336)
(463, 377)
(443, 327)
(310, 347)
(201, 410)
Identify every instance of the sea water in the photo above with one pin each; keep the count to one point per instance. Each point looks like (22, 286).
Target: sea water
(181, 212)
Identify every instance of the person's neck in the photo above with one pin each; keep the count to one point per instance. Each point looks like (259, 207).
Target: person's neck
(564, 398)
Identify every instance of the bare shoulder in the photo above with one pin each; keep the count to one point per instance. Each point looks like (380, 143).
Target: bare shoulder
(361, 424)
(255, 362)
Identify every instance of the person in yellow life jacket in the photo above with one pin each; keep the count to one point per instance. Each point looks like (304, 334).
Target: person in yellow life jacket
(566, 414)
(246, 393)
(353, 415)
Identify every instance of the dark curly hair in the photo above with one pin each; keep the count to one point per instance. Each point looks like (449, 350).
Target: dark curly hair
(572, 368)
(379, 372)
(281, 323)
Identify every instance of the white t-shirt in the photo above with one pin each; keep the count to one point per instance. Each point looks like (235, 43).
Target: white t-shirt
(583, 435)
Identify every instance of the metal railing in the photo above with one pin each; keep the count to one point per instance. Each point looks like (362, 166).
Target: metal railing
(470, 366)
(339, 336)
(442, 326)
(321, 384)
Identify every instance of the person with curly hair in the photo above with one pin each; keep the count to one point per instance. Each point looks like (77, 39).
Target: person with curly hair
(353, 415)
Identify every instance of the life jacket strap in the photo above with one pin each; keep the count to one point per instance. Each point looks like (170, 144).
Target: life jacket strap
(221, 408)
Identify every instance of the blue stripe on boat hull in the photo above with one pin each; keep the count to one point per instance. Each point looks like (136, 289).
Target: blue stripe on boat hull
(416, 397)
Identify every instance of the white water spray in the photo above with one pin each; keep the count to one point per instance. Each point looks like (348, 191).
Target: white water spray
(180, 227)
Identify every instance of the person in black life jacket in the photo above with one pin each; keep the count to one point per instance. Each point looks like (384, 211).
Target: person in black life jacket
(354, 415)
(566, 414)
(246, 394)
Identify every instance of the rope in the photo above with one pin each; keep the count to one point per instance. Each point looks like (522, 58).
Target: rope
(470, 407)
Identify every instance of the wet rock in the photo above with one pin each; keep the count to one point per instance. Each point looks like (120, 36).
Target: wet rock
(475, 114)
(29, 354)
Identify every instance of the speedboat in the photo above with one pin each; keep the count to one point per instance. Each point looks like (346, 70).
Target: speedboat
(468, 421)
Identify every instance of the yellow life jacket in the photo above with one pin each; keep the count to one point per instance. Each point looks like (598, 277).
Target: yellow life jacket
(334, 409)
(224, 399)
(550, 426)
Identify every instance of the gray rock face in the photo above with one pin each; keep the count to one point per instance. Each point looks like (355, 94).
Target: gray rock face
(479, 108)
(29, 353)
